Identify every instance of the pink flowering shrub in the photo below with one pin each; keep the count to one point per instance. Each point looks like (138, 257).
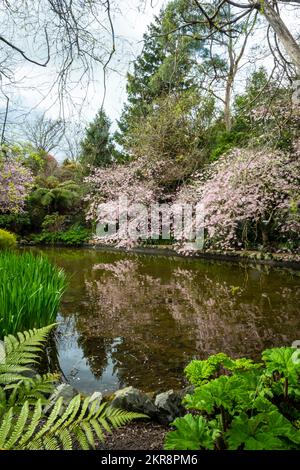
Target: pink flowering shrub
(15, 184)
(250, 196)
(115, 189)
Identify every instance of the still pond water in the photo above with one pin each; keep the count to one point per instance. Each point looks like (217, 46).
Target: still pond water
(139, 319)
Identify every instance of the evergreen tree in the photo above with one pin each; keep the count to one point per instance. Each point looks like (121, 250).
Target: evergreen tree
(164, 67)
(97, 148)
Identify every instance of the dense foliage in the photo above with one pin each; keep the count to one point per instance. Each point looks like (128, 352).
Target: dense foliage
(33, 416)
(30, 291)
(241, 405)
(181, 145)
(75, 236)
(54, 200)
(7, 240)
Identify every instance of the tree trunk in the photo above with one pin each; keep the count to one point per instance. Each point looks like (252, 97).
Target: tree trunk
(264, 234)
(292, 48)
(227, 107)
(229, 83)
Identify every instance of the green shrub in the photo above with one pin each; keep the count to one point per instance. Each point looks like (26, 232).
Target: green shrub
(241, 405)
(30, 291)
(7, 240)
(226, 141)
(75, 236)
(29, 420)
(53, 222)
(17, 223)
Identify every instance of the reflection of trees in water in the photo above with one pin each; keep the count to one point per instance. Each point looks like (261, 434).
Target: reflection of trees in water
(96, 349)
(165, 322)
(49, 358)
(124, 303)
(236, 321)
(166, 311)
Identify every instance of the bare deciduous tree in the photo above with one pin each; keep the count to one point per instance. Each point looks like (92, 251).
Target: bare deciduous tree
(74, 134)
(230, 26)
(45, 134)
(70, 37)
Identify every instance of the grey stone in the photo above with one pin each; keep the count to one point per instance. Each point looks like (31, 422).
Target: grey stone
(62, 390)
(169, 406)
(97, 396)
(132, 399)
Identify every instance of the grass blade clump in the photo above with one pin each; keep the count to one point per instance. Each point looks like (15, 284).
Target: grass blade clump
(31, 288)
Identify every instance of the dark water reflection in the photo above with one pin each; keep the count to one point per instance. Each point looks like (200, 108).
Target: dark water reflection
(138, 320)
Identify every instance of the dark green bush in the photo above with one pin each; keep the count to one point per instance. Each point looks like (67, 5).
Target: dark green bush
(16, 223)
(53, 222)
(75, 236)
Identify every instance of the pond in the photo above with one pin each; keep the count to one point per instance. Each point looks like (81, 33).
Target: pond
(129, 319)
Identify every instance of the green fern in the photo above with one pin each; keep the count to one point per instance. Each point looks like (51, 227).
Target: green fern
(78, 427)
(31, 389)
(29, 421)
(20, 352)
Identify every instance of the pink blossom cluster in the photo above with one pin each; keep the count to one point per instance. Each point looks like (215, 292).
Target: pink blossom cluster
(15, 184)
(250, 191)
(247, 194)
(119, 187)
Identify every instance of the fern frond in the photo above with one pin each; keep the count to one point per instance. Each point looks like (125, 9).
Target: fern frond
(88, 431)
(84, 408)
(19, 426)
(19, 429)
(66, 439)
(25, 348)
(9, 376)
(68, 416)
(81, 438)
(32, 426)
(55, 413)
(51, 443)
(32, 389)
(97, 429)
(5, 427)
(20, 352)
(120, 418)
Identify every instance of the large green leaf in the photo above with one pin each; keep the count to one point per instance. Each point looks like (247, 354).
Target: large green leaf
(199, 372)
(265, 431)
(282, 360)
(192, 433)
(234, 393)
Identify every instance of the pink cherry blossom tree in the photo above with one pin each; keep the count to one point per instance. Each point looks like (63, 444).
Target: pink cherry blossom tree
(249, 195)
(113, 190)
